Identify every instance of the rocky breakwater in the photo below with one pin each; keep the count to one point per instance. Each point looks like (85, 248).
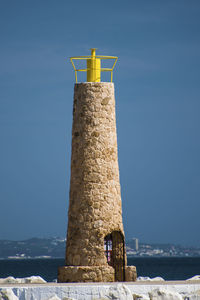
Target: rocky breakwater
(143, 289)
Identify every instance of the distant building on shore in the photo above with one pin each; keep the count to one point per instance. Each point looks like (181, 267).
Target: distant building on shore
(134, 244)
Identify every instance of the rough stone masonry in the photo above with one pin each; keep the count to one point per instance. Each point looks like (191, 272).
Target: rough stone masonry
(95, 249)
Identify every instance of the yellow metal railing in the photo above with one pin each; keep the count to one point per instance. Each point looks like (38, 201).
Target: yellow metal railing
(94, 66)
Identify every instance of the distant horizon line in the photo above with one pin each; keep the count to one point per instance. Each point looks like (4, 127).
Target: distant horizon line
(127, 239)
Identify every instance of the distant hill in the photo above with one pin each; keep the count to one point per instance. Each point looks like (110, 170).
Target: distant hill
(34, 247)
(55, 248)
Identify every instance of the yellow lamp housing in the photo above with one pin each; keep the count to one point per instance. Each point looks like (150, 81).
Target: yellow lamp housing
(94, 66)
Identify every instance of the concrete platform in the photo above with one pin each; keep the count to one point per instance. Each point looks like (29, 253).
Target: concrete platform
(173, 290)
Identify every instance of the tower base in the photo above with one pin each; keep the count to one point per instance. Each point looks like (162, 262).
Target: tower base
(93, 274)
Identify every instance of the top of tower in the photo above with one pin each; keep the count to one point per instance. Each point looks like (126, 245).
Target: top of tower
(93, 68)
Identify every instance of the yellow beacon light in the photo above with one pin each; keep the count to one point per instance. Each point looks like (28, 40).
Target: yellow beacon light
(94, 66)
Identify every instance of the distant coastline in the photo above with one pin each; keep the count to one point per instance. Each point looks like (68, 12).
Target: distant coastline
(52, 248)
(34, 248)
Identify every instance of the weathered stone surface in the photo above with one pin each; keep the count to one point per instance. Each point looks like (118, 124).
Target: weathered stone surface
(95, 198)
(86, 274)
(164, 294)
(196, 277)
(140, 297)
(104, 291)
(54, 298)
(130, 273)
(146, 278)
(120, 292)
(31, 279)
(7, 294)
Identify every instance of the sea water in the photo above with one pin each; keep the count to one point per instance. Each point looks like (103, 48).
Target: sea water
(169, 268)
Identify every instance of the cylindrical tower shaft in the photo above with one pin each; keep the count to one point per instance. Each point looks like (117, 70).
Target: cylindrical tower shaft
(95, 248)
(95, 201)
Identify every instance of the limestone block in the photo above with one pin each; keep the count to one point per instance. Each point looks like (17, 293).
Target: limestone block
(164, 294)
(9, 279)
(146, 278)
(130, 273)
(54, 298)
(31, 279)
(120, 292)
(196, 277)
(192, 296)
(7, 294)
(140, 297)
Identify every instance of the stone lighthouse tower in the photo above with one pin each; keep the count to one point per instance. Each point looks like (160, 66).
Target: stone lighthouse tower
(95, 249)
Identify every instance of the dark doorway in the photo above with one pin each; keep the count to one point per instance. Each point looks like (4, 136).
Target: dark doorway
(114, 251)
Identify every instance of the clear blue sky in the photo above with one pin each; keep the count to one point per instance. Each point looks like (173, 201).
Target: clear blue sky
(157, 82)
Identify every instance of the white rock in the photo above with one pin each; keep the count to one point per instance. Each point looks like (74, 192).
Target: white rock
(33, 279)
(193, 296)
(7, 294)
(157, 279)
(140, 297)
(54, 298)
(9, 279)
(119, 292)
(140, 278)
(12, 280)
(164, 294)
(196, 277)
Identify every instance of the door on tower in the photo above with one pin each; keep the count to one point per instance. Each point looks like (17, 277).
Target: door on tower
(115, 253)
